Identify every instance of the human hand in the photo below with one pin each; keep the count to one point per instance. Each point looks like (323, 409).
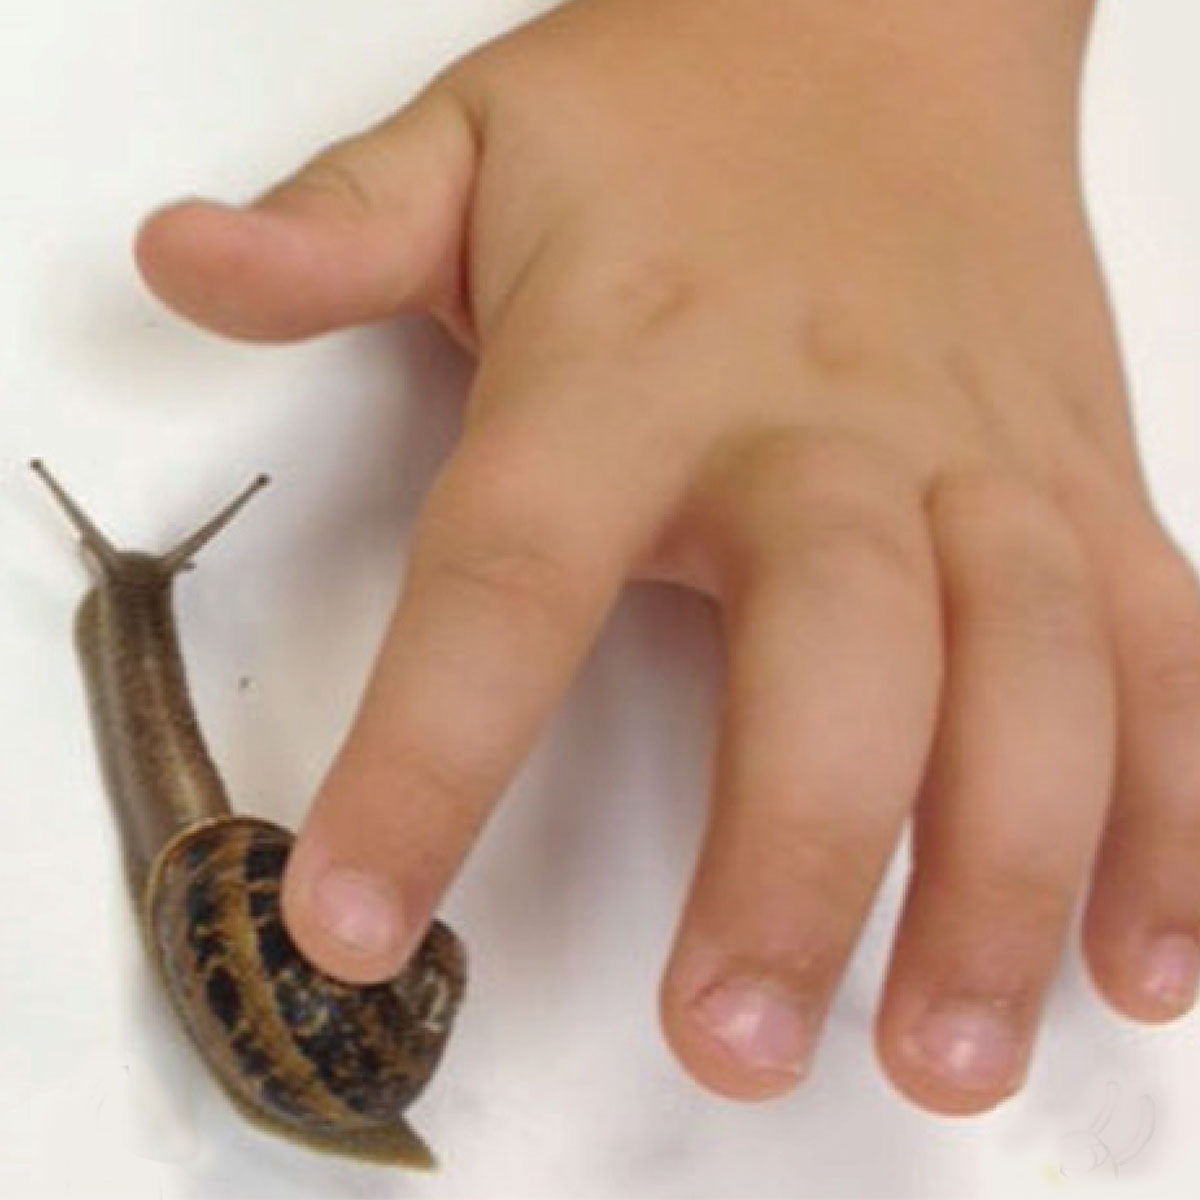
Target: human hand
(794, 304)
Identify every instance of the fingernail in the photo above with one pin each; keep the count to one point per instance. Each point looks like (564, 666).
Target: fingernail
(1172, 970)
(759, 1024)
(971, 1044)
(361, 911)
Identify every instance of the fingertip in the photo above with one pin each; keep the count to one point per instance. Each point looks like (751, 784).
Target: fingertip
(925, 1091)
(165, 241)
(925, 1077)
(742, 1037)
(345, 917)
(371, 228)
(232, 270)
(1142, 976)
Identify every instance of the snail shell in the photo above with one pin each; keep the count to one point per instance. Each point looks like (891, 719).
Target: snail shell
(310, 1057)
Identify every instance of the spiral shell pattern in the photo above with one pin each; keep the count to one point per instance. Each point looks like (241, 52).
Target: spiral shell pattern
(327, 1063)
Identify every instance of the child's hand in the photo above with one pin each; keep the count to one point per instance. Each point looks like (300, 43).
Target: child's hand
(793, 303)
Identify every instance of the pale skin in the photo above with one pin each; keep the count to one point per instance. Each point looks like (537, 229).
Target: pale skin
(793, 303)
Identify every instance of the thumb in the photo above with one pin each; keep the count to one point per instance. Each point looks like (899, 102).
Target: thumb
(371, 227)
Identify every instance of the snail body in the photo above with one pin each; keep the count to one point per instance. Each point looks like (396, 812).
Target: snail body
(325, 1063)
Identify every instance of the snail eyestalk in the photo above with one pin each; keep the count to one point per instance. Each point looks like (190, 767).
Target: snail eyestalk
(181, 556)
(173, 561)
(89, 534)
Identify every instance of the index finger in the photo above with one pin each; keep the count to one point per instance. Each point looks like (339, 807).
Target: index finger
(518, 556)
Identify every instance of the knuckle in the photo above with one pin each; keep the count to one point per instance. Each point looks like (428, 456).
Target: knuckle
(501, 531)
(841, 345)
(1158, 615)
(998, 505)
(849, 544)
(795, 468)
(502, 568)
(652, 294)
(806, 855)
(492, 536)
(1092, 418)
(837, 505)
(1170, 674)
(635, 301)
(334, 177)
(1040, 603)
(1016, 562)
(831, 341)
(790, 896)
(1009, 893)
(1020, 891)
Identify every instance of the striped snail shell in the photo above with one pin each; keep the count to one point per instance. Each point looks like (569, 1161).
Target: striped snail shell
(331, 1064)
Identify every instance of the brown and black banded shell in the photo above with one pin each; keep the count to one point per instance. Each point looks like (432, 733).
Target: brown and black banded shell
(327, 1063)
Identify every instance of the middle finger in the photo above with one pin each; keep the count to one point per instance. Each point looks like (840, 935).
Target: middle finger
(831, 613)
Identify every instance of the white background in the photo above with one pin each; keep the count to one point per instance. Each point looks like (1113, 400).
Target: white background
(556, 1084)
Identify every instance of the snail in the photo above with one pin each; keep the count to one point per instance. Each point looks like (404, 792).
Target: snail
(299, 1053)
